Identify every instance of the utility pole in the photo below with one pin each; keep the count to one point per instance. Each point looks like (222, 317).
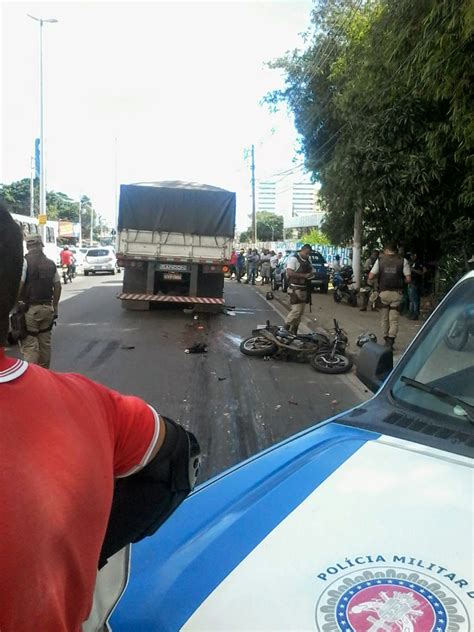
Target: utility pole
(32, 187)
(115, 182)
(42, 200)
(254, 215)
(80, 223)
(92, 226)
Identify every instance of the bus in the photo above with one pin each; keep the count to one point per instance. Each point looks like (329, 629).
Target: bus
(29, 226)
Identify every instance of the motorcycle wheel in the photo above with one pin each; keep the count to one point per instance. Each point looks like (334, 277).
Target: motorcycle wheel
(258, 346)
(275, 285)
(457, 335)
(337, 296)
(324, 363)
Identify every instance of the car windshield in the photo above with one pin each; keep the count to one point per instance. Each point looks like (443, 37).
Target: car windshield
(443, 359)
(96, 252)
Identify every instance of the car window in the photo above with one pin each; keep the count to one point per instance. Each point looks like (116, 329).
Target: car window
(444, 358)
(98, 252)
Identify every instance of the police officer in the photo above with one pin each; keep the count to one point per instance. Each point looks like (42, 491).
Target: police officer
(40, 292)
(299, 271)
(393, 271)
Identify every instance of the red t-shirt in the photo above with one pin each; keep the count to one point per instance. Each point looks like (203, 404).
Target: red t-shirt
(63, 439)
(66, 257)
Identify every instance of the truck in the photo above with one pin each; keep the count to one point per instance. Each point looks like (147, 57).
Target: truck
(174, 244)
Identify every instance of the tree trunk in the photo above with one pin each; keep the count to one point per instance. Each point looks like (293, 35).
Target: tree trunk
(356, 247)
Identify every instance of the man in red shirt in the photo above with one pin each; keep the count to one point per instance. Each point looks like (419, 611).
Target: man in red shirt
(69, 451)
(67, 258)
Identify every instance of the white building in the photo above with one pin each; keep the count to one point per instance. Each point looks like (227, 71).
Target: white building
(266, 196)
(303, 199)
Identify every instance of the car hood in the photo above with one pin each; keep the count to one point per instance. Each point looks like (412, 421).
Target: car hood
(338, 528)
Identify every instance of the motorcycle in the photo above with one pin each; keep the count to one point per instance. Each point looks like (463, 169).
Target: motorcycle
(67, 274)
(344, 286)
(325, 353)
(334, 359)
(462, 327)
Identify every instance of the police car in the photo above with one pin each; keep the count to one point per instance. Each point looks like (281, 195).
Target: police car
(362, 523)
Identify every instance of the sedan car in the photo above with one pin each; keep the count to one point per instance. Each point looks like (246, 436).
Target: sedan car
(100, 259)
(320, 270)
(363, 522)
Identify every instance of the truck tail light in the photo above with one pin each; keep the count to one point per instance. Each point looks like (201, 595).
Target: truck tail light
(225, 269)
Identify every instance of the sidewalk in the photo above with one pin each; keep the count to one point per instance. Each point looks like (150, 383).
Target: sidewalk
(351, 319)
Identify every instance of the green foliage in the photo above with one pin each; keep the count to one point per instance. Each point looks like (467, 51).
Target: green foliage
(16, 196)
(382, 97)
(269, 228)
(315, 236)
(60, 206)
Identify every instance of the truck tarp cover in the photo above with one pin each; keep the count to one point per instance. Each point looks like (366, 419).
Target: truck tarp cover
(177, 207)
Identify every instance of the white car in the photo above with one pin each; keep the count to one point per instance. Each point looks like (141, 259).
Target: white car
(100, 259)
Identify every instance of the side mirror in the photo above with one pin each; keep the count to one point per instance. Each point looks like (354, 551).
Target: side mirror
(373, 365)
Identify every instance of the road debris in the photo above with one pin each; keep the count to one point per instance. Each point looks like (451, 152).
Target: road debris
(198, 347)
(290, 401)
(127, 347)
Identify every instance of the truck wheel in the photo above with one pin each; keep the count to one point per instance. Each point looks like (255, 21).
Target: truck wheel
(86, 272)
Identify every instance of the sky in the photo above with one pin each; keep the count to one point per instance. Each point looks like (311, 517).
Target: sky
(147, 91)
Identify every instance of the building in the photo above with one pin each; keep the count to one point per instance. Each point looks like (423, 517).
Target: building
(266, 196)
(303, 199)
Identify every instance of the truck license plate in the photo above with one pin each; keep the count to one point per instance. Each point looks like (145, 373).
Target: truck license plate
(172, 276)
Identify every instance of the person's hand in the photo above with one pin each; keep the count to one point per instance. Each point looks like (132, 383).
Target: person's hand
(309, 276)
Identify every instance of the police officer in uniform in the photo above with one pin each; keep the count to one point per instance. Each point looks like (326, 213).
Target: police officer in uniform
(393, 271)
(40, 292)
(299, 271)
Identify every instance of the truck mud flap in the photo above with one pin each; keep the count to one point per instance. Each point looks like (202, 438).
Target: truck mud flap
(165, 298)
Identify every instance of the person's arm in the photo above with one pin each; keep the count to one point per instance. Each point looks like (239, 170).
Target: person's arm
(375, 271)
(23, 278)
(406, 271)
(56, 292)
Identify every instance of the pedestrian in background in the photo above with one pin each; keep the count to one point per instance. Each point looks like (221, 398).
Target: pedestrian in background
(253, 261)
(240, 265)
(40, 291)
(299, 272)
(369, 286)
(265, 267)
(418, 271)
(393, 272)
(336, 264)
(232, 264)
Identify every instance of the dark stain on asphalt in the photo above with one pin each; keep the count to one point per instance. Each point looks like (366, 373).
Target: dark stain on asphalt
(110, 347)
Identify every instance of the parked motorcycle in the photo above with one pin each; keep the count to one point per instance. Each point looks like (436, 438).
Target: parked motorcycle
(334, 359)
(325, 353)
(344, 286)
(462, 327)
(67, 274)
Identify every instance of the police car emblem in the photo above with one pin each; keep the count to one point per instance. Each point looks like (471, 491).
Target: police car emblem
(385, 600)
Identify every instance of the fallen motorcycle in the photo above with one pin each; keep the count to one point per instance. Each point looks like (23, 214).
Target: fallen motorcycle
(325, 353)
(334, 358)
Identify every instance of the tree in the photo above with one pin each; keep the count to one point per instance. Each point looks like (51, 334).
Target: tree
(16, 196)
(315, 236)
(269, 228)
(382, 98)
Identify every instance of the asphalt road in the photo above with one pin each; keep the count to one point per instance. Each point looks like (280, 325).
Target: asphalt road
(236, 405)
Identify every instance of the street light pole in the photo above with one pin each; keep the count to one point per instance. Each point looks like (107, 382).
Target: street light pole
(42, 200)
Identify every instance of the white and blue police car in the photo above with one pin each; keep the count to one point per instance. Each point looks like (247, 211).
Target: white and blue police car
(363, 523)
